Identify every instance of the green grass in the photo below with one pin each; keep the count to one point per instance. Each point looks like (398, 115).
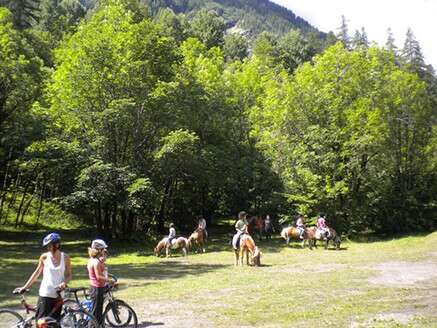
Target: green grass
(294, 287)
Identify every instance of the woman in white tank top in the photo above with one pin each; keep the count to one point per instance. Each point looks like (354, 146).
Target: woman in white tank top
(56, 269)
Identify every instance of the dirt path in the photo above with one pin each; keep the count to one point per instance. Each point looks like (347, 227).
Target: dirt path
(420, 277)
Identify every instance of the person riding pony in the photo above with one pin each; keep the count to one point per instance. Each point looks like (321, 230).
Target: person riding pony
(241, 227)
(171, 235)
(201, 225)
(300, 224)
(198, 237)
(323, 227)
(247, 246)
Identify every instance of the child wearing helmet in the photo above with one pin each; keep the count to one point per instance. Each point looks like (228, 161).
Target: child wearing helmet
(171, 235)
(55, 267)
(98, 276)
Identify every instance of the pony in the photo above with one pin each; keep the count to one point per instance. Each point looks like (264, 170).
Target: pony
(197, 238)
(247, 245)
(326, 236)
(176, 243)
(259, 227)
(293, 232)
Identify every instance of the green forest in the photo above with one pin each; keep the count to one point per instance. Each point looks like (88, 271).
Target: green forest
(127, 115)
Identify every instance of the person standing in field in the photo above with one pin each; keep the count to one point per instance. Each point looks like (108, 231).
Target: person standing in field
(55, 267)
(98, 276)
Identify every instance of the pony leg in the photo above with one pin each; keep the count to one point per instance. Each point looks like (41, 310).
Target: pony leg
(288, 240)
(241, 256)
(167, 251)
(247, 257)
(236, 256)
(184, 251)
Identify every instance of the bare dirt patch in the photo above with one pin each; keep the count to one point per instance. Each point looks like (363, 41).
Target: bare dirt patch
(169, 314)
(312, 269)
(401, 274)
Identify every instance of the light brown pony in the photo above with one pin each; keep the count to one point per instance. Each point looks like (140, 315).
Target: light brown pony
(197, 239)
(292, 232)
(177, 243)
(247, 245)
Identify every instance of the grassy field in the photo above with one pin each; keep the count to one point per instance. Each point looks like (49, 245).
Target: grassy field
(390, 283)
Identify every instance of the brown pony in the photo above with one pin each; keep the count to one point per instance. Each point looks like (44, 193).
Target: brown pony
(292, 232)
(247, 245)
(259, 226)
(327, 237)
(197, 239)
(179, 242)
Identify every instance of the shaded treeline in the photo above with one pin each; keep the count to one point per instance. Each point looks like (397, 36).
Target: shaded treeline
(131, 121)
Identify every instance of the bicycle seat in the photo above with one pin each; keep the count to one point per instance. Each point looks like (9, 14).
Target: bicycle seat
(75, 290)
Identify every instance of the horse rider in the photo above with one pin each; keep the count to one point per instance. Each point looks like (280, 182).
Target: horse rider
(322, 226)
(201, 225)
(171, 235)
(241, 227)
(300, 224)
(268, 227)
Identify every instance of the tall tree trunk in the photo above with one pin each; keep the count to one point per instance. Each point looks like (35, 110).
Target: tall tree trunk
(106, 222)
(23, 198)
(130, 223)
(114, 225)
(99, 218)
(5, 185)
(161, 212)
(123, 222)
(41, 196)
(27, 205)
(13, 197)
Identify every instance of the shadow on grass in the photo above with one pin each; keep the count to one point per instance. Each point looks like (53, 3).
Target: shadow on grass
(163, 270)
(145, 324)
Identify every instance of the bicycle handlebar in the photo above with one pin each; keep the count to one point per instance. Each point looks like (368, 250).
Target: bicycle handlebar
(19, 291)
(113, 276)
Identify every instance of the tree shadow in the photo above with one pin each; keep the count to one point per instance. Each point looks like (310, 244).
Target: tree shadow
(335, 249)
(145, 324)
(163, 270)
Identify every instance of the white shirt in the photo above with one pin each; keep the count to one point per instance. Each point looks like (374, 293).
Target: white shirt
(52, 276)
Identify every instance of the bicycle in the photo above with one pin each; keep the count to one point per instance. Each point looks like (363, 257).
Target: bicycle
(70, 318)
(117, 313)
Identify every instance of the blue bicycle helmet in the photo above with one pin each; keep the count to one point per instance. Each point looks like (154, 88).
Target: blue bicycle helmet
(51, 238)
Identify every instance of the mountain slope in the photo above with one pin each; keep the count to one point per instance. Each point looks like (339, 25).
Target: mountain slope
(254, 16)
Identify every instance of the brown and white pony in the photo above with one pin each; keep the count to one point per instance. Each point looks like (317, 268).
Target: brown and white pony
(294, 233)
(197, 239)
(327, 237)
(247, 245)
(177, 243)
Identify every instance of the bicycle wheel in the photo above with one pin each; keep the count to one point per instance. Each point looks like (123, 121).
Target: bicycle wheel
(11, 319)
(78, 318)
(118, 314)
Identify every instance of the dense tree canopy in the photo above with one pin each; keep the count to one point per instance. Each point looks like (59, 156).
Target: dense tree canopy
(131, 120)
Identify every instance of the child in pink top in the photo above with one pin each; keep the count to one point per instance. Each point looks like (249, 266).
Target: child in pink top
(98, 276)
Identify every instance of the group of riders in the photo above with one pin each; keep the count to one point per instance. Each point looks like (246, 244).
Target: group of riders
(55, 266)
(265, 226)
(321, 226)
